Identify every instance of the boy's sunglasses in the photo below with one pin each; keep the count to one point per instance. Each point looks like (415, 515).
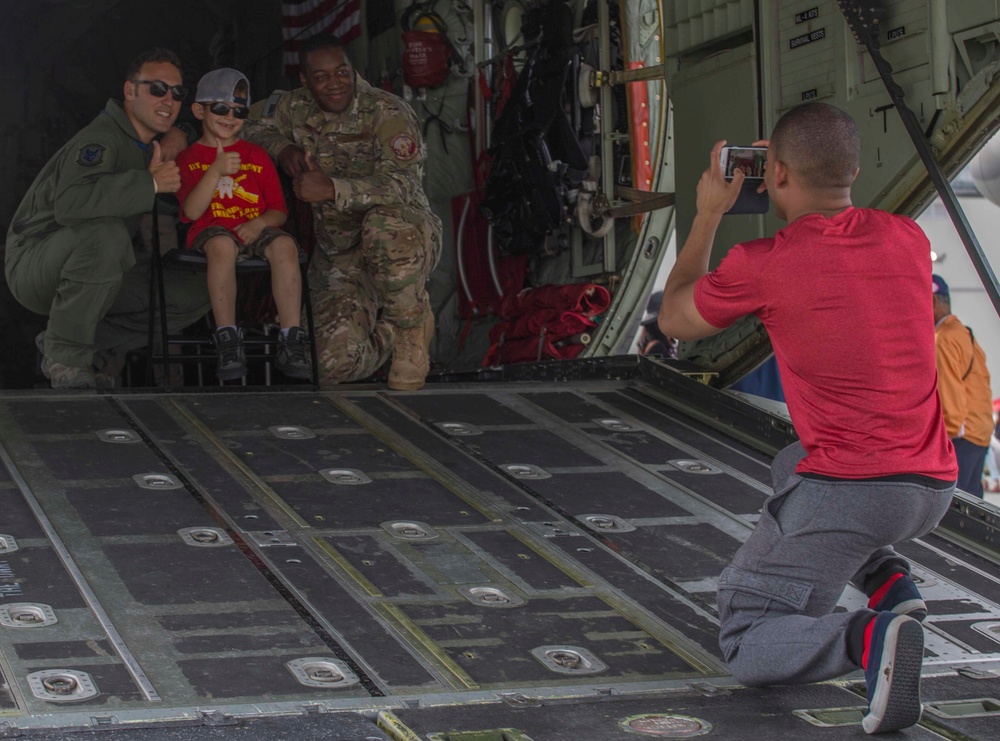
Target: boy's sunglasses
(158, 88)
(221, 109)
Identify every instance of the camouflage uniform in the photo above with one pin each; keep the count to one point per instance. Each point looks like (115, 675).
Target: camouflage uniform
(70, 253)
(377, 241)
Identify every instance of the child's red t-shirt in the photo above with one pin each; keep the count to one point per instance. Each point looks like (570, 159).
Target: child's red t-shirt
(239, 198)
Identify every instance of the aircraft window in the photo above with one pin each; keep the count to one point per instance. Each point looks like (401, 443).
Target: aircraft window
(964, 184)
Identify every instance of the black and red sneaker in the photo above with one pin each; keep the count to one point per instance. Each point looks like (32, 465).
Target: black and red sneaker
(893, 658)
(899, 594)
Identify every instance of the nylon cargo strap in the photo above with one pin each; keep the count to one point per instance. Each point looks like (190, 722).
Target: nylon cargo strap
(638, 202)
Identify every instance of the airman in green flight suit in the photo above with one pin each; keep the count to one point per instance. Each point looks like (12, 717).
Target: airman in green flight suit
(70, 253)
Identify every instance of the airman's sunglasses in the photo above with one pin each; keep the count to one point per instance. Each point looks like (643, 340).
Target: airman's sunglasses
(221, 109)
(158, 88)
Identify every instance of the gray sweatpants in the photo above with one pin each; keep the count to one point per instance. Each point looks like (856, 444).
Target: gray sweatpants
(776, 598)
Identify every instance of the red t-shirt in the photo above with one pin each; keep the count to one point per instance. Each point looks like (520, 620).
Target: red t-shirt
(239, 198)
(847, 304)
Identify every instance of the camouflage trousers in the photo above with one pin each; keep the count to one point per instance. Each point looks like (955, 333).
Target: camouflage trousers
(359, 295)
(93, 285)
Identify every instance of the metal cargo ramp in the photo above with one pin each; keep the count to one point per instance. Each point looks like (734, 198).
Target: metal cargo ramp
(536, 559)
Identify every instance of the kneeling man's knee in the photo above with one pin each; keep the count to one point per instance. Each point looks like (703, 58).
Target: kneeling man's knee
(106, 245)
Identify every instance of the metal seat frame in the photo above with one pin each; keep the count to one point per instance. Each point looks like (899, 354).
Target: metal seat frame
(182, 259)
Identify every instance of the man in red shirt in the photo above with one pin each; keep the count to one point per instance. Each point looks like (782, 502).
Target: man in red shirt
(874, 466)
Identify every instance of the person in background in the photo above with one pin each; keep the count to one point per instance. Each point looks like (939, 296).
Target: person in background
(873, 466)
(651, 340)
(70, 253)
(764, 381)
(964, 387)
(992, 482)
(231, 196)
(355, 152)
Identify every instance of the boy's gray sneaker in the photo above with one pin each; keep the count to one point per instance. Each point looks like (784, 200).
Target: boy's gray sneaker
(232, 361)
(292, 358)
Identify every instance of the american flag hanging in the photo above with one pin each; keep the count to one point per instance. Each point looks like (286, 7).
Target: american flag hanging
(306, 18)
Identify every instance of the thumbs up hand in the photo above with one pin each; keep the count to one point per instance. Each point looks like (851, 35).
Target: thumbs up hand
(166, 175)
(312, 185)
(292, 160)
(226, 163)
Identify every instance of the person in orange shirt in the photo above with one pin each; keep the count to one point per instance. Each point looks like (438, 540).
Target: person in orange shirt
(964, 388)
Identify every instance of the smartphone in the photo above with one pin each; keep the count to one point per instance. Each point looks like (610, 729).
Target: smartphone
(749, 159)
(752, 161)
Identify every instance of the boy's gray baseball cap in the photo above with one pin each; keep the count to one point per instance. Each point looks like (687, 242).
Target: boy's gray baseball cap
(226, 85)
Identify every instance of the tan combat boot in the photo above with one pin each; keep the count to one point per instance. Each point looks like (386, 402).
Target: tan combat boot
(411, 361)
(65, 376)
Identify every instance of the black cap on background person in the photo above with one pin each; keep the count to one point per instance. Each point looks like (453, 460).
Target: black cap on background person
(939, 287)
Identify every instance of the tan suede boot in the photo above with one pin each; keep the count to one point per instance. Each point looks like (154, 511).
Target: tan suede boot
(411, 359)
(65, 376)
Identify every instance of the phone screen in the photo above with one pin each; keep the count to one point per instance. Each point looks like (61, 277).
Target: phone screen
(749, 159)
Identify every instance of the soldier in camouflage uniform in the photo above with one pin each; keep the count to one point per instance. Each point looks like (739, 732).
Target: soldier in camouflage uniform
(355, 153)
(70, 250)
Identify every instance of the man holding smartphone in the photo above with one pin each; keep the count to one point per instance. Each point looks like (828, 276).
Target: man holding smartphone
(874, 466)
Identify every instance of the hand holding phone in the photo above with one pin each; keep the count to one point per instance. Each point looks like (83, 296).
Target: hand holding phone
(752, 161)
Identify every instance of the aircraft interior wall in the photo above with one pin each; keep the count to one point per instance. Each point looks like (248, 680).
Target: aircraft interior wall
(63, 60)
(729, 69)
(732, 78)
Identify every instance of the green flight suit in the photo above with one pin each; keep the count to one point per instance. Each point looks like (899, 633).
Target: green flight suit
(378, 240)
(70, 253)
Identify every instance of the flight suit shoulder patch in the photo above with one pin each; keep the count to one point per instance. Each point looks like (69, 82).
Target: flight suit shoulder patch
(271, 106)
(404, 146)
(90, 155)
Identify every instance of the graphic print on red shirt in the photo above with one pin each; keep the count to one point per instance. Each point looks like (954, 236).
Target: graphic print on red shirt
(238, 198)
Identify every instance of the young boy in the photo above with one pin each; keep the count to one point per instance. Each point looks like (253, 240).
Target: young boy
(231, 195)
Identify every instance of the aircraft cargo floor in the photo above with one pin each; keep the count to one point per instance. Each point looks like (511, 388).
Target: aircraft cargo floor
(472, 562)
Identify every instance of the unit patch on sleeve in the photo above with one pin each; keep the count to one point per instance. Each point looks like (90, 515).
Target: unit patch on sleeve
(90, 155)
(404, 146)
(271, 106)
